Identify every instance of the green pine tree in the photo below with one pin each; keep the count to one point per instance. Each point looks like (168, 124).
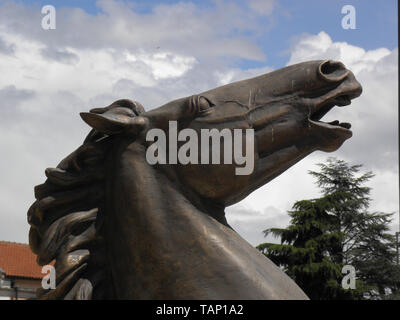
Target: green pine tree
(336, 230)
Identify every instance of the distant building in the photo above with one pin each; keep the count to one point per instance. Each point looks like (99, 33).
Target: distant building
(20, 275)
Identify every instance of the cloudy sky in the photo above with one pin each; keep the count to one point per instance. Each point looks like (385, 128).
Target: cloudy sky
(156, 51)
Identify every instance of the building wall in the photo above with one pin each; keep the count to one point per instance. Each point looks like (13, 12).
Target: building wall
(18, 288)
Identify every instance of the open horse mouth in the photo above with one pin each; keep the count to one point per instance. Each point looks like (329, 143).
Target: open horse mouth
(341, 96)
(342, 127)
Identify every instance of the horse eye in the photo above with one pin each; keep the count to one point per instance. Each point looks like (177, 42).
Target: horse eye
(204, 104)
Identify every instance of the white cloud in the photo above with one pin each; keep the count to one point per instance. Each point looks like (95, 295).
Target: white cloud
(6, 48)
(262, 7)
(182, 28)
(251, 223)
(167, 65)
(321, 46)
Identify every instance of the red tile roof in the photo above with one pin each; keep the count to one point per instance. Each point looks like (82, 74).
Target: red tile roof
(17, 260)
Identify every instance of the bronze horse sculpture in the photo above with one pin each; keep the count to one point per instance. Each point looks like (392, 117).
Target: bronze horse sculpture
(120, 228)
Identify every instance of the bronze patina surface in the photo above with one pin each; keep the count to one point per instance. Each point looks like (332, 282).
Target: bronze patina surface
(120, 228)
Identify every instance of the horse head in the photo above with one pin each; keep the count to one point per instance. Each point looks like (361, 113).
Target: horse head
(283, 107)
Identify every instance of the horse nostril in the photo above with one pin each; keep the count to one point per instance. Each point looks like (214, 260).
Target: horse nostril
(332, 71)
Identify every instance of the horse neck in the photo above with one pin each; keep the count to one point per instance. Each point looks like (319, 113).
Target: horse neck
(160, 245)
(147, 218)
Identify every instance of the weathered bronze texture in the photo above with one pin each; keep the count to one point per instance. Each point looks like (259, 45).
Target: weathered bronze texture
(120, 228)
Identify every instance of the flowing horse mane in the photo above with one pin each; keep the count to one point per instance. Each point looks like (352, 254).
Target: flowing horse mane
(66, 218)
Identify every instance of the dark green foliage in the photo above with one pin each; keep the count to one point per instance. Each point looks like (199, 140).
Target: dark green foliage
(336, 230)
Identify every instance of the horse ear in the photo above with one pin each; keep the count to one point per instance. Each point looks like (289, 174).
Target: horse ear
(113, 123)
